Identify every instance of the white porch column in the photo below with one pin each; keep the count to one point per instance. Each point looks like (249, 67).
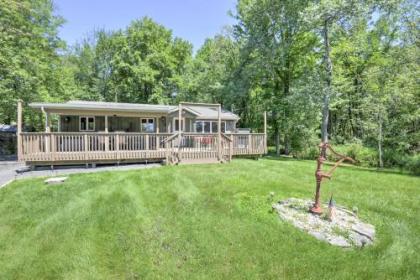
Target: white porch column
(179, 130)
(106, 123)
(219, 130)
(47, 122)
(106, 131)
(157, 131)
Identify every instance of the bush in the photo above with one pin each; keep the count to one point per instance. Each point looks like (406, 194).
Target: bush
(364, 156)
(412, 164)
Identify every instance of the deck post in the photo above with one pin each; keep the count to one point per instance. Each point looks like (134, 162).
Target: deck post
(19, 130)
(265, 132)
(47, 130)
(219, 132)
(157, 133)
(249, 144)
(106, 131)
(117, 146)
(179, 130)
(86, 147)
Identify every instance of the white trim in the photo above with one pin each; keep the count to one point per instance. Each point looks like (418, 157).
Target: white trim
(211, 125)
(174, 126)
(87, 123)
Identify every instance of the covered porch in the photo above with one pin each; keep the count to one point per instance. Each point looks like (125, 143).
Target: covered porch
(115, 136)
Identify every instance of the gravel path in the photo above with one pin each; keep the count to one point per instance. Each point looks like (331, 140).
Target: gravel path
(8, 170)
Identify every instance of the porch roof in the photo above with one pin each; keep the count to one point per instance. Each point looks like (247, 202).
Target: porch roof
(201, 112)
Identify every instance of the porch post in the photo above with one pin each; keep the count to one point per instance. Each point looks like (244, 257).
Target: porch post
(19, 130)
(47, 130)
(179, 129)
(106, 131)
(157, 132)
(219, 132)
(47, 122)
(106, 123)
(265, 132)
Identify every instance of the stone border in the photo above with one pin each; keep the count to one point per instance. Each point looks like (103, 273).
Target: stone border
(345, 230)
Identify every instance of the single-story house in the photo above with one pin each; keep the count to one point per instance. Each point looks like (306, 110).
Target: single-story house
(92, 132)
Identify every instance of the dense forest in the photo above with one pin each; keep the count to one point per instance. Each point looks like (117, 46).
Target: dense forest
(337, 70)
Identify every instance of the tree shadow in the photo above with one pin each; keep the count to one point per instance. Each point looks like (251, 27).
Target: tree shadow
(342, 166)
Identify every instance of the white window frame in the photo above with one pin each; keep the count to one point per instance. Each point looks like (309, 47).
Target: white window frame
(147, 121)
(211, 126)
(87, 123)
(174, 124)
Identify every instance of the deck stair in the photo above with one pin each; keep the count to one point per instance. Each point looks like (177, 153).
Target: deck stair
(193, 148)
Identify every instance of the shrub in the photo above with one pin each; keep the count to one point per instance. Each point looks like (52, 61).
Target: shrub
(364, 156)
(412, 164)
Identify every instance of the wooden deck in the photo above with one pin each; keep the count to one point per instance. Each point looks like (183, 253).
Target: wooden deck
(62, 148)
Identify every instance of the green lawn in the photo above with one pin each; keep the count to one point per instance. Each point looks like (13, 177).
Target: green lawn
(203, 221)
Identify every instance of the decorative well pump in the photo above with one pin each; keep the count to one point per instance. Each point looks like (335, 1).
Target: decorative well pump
(321, 175)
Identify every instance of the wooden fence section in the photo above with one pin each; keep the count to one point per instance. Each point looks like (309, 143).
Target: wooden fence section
(53, 147)
(95, 146)
(249, 144)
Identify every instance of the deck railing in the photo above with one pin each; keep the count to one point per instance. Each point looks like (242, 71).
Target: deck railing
(97, 146)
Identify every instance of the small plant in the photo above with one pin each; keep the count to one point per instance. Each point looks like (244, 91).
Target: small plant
(270, 197)
(355, 210)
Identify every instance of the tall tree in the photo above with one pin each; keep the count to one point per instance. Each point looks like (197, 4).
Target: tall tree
(276, 38)
(323, 15)
(29, 60)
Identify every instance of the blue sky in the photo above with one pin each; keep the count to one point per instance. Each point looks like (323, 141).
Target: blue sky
(193, 20)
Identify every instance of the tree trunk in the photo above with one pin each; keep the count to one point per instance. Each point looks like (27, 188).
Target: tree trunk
(286, 145)
(276, 132)
(327, 92)
(380, 137)
(277, 140)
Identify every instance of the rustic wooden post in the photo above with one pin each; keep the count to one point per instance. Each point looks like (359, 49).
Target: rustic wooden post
(265, 132)
(179, 130)
(157, 132)
(219, 132)
(19, 131)
(47, 130)
(249, 144)
(106, 137)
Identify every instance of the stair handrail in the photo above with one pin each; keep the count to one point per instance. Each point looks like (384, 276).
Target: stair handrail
(227, 137)
(170, 138)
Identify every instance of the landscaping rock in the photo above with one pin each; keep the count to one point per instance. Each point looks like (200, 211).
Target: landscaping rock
(56, 180)
(345, 230)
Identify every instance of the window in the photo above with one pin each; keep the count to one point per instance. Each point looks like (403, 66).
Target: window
(208, 126)
(176, 124)
(86, 123)
(199, 126)
(147, 125)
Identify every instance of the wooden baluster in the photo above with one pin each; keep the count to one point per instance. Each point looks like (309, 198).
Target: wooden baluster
(86, 144)
(117, 145)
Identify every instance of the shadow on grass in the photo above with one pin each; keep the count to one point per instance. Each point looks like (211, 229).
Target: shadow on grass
(347, 166)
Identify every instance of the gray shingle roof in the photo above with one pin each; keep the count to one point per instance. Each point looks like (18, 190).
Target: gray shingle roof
(202, 112)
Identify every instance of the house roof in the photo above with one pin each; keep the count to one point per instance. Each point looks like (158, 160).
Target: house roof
(200, 111)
